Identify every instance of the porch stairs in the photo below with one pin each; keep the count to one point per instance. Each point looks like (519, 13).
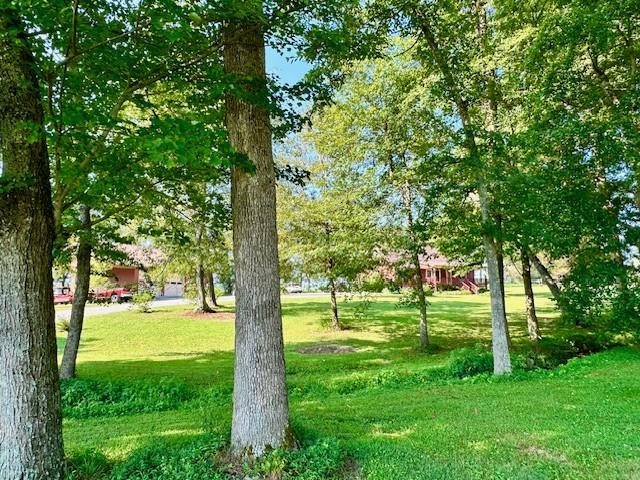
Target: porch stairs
(470, 286)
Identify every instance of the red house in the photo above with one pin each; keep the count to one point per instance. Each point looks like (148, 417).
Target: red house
(124, 275)
(438, 272)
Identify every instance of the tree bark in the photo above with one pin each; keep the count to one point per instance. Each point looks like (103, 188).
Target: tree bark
(80, 295)
(201, 285)
(30, 415)
(500, 253)
(547, 278)
(212, 290)
(499, 334)
(260, 403)
(201, 289)
(335, 320)
(532, 318)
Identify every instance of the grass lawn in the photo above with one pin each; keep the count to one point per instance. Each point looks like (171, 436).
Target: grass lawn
(580, 421)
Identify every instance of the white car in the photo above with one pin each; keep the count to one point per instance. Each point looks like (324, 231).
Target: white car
(293, 289)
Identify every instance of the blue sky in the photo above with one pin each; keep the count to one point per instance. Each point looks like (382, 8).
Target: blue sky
(289, 71)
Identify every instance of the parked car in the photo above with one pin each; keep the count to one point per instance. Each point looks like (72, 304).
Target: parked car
(293, 289)
(113, 295)
(62, 295)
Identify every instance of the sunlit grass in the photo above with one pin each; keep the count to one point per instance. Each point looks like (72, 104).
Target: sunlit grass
(581, 425)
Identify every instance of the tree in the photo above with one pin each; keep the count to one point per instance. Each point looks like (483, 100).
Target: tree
(81, 294)
(532, 318)
(260, 402)
(31, 428)
(378, 125)
(578, 82)
(121, 105)
(329, 226)
(319, 32)
(212, 289)
(454, 47)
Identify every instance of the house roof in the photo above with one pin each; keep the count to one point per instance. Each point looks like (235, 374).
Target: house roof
(141, 257)
(431, 258)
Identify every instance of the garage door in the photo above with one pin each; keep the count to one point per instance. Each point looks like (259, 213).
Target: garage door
(173, 289)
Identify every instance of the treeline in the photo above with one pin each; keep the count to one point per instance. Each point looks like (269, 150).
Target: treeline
(510, 129)
(140, 114)
(494, 131)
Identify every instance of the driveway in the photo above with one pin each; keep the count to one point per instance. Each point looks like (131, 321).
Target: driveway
(103, 309)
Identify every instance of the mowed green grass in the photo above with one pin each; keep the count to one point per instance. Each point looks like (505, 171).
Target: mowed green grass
(577, 423)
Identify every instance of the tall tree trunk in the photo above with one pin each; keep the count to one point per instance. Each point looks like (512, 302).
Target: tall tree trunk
(212, 290)
(500, 253)
(532, 318)
(201, 289)
(80, 295)
(201, 285)
(491, 125)
(499, 334)
(260, 403)
(335, 320)
(418, 284)
(30, 416)
(547, 278)
(500, 341)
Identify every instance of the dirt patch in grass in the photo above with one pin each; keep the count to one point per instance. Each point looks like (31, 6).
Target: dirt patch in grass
(327, 349)
(544, 454)
(351, 470)
(210, 316)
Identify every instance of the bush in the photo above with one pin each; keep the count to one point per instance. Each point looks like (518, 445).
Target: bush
(601, 292)
(445, 287)
(315, 461)
(87, 398)
(142, 301)
(535, 360)
(164, 460)
(466, 362)
(196, 460)
(63, 326)
(87, 465)
(374, 283)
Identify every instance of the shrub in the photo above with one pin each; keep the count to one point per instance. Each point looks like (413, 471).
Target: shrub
(63, 325)
(133, 287)
(373, 283)
(195, 460)
(445, 287)
(142, 301)
(87, 398)
(164, 460)
(601, 292)
(535, 360)
(465, 362)
(87, 465)
(315, 461)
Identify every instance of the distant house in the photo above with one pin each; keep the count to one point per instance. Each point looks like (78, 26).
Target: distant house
(124, 275)
(129, 276)
(440, 273)
(140, 260)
